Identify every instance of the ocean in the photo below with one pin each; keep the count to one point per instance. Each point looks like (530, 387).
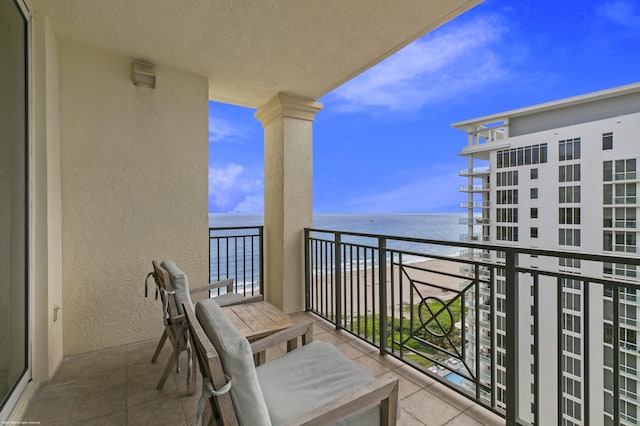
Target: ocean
(435, 226)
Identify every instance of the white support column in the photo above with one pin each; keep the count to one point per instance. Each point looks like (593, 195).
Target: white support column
(288, 125)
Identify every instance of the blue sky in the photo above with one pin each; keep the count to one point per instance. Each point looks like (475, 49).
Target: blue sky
(383, 142)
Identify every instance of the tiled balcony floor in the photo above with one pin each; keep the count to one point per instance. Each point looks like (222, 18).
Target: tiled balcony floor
(117, 386)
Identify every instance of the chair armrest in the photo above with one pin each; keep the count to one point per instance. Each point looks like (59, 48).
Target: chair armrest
(212, 286)
(383, 390)
(304, 330)
(250, 299)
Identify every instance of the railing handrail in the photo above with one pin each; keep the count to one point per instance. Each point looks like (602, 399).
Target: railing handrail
(600, 257)
(231, 228)
(381, 255)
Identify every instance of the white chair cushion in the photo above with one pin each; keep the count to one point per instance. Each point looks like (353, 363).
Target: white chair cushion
(309, 377)
(237, 362)
(180, 284)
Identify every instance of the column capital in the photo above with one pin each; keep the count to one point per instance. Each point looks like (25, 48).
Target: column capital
(287, 105)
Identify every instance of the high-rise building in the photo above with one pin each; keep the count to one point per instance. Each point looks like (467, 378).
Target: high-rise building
(562, 176)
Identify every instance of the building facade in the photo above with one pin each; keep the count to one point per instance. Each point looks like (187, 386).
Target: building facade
(561, 176)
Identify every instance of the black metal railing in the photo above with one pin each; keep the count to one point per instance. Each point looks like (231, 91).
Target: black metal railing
(237, 252)
(536, 336)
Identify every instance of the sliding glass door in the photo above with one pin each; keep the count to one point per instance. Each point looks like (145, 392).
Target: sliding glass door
(13, 201)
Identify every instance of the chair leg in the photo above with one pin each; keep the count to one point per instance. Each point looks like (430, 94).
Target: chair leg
(170, 365)
(191, 387)
(159, 347)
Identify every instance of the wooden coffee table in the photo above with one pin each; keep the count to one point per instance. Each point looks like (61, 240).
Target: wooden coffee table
(257, 319)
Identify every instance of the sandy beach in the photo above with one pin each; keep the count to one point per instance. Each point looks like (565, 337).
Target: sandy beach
(421, 279)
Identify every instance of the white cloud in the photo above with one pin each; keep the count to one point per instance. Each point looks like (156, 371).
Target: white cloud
(425, 190)
(235, 188)
(621, 12)
(442, 65)
(224, 130)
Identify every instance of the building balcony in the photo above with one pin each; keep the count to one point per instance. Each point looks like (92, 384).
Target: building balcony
(475, 188)
(474, 237)
(476, 171)
(475, 205)
(475, 221)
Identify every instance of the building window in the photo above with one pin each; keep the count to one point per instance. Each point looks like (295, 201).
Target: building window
(625, 217)
(507, 233)
(623, 270)
(534, 174)
(607, 141)
(509, 178)
(619, 170)
(569, 262)
(534, 232)
(569, 237)
(607, 194)
(569, 173)
(607, 241)
(509, 215)
(569, 215)
(532, 154)
(569, 149)
(507, 196)
(607, 217)
(534, 193)
(625, 193)
(534, 213)
(625, 242)
(569, 194)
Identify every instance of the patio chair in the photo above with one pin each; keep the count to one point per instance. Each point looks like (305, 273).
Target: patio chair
(173, 287)
(313, 384)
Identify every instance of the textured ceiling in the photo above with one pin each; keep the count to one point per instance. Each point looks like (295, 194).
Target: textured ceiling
(251, 50)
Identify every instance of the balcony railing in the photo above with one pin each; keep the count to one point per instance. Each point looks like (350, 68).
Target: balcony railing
(475, 188)
(475, 204)
(237, 252)
(475, 171)
(475, 221)
(518, 355)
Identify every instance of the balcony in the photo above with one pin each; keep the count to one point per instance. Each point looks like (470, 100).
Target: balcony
(476, 171)
(475, 205)
(419, 308)
(122, 391)
(475, 220)
(475, 188)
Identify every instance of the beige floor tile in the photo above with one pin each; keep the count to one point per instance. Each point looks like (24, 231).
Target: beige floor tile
(88, 405)
(363, 346)
(110, 419)
(484, 416)
(157, 412)
(372, 365)
(429, 409)
(142, 384)
(407, 419)
(414, 375)
(464, 420)
(349, 350)
(451, 397)
(332, 338)
(407, 387)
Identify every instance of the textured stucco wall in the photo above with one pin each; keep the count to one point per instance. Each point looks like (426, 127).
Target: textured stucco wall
(134, 188)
